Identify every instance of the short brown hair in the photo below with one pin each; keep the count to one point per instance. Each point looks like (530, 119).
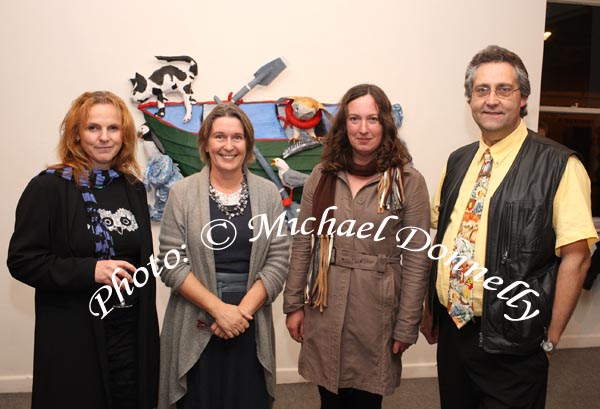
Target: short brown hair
(71, 152)
(337, 151)
(496, 54)
(226, 110)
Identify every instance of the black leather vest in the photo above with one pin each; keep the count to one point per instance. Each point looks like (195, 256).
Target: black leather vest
(520, 242)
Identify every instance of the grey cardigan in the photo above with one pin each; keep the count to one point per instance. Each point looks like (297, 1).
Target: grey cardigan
(187, 212)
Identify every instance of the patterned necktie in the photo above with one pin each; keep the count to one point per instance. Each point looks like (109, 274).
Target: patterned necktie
(460, 293)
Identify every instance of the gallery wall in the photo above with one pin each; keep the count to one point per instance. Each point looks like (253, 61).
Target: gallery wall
(416, 51)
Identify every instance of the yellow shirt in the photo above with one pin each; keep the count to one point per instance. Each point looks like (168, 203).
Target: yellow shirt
(572, 215)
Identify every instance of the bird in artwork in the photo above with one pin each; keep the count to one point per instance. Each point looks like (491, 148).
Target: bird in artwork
(303, 114)
(289, 177)
(152, 145)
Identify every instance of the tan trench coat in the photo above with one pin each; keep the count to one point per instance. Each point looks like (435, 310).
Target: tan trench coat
(374, 297)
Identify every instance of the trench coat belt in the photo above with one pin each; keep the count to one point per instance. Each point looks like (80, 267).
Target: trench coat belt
(349, 259)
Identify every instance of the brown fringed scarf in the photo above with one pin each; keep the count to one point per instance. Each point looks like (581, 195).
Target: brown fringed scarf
(390, 196)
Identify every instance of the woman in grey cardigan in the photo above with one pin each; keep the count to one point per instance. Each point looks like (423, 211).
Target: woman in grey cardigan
(218, 342)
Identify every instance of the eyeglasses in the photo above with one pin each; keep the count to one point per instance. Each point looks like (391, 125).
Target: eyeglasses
(501, 92)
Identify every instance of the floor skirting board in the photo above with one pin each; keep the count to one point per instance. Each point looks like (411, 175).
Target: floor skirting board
(416, 370)
(15, 384)
(579, 341)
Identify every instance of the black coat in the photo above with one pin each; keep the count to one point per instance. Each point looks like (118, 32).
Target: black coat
(70, 368)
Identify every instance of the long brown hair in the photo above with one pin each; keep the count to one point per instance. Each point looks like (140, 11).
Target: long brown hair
(70, 151)
(337, 151)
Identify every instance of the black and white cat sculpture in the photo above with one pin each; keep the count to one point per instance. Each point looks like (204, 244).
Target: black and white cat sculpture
(167, 79)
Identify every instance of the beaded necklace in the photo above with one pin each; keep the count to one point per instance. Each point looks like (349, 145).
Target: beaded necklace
(230, 211)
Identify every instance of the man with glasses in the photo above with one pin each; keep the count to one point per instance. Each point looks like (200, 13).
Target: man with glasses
(513, 213)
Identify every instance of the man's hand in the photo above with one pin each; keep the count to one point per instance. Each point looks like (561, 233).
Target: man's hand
(427, 329)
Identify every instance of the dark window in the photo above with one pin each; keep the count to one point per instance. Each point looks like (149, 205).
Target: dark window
(570, 94)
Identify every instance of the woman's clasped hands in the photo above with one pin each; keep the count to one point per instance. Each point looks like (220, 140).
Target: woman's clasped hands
(230, 321)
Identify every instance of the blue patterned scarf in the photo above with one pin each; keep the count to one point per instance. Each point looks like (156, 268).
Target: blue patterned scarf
(104, 248)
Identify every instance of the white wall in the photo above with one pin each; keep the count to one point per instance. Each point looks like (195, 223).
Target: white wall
(415, 50)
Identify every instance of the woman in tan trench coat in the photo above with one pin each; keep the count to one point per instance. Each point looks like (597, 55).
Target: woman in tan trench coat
(358, 274)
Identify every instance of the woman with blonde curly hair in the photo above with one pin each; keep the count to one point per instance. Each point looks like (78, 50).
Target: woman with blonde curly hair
(82, 226)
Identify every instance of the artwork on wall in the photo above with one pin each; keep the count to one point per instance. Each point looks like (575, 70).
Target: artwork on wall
(165, 80)
(288, 131)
